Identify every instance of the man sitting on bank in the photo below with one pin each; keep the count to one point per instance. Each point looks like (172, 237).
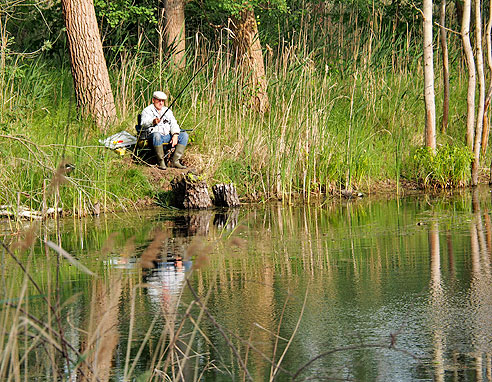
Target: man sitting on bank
(163, 128)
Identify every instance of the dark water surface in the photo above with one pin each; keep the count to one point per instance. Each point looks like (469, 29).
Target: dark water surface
(396, 290)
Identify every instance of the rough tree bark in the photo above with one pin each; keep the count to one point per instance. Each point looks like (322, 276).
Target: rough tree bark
(250, 59)
(477, 145)
(174, 30)
(225, 195)
(472, 80)
(445, 66)
(89, 70)
(429, 96)
(190, 192)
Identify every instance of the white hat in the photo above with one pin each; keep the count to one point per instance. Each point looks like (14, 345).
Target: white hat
(159, 95)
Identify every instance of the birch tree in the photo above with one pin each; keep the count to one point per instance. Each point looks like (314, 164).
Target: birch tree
(445, 66)
(89, 70)
(488, 98)
(481, 99)
(429, 95)
(472, 81)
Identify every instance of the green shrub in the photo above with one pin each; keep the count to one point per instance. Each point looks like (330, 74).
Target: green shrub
(449, 167)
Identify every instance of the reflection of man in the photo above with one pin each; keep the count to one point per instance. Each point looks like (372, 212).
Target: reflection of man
(163, 127)
(167, 282)
(168, 273)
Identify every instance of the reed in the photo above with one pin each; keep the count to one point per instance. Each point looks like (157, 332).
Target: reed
(83, 318)
(50, 340)
(339, 118)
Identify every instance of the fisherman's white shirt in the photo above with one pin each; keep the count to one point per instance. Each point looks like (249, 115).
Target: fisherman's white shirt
(167, 125)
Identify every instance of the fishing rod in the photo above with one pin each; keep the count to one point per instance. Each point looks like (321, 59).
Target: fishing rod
(187, 84)
(174, 100)
(179, 95)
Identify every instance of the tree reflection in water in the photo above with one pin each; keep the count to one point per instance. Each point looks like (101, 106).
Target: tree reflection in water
(478, 324)
(383, 281)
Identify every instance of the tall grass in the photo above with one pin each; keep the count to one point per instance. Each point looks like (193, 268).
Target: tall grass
(323, 131)
(41, 131)
(345, 121)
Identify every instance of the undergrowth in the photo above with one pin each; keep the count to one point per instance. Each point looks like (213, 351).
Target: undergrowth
(449, 167)
(325, 130)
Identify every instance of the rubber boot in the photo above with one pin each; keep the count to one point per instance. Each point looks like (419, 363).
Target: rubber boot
(178, 153)
(159, 150)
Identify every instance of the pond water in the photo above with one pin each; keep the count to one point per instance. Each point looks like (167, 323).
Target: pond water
(390, 290)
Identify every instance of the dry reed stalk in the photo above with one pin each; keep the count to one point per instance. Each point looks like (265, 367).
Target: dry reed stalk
(128, 249)
(130, 330)
(273, 370)
(109, 243)
(25, 240)
(247, 352)
(53, 340)
(169, 351)
(250, 346)
(168, 354)
(153, 251)
(146, 340)
(46, 328)
(361, 346)
(199, 251)
(70, 258)
(9, 351)
(196, 323)
(102, 331)
(174, 338)
(279, 362)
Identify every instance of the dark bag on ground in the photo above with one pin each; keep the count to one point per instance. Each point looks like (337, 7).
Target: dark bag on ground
(142, 133)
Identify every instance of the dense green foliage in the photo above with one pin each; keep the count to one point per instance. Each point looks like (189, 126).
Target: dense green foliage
(344, 82)
(449, 167)
(129, 25)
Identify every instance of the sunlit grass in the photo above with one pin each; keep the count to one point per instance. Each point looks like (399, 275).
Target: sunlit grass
(328, 128)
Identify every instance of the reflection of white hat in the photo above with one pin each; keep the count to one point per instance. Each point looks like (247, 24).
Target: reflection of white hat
(159, 95)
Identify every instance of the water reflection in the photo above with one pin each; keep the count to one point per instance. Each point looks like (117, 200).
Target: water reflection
(469, 317)
(166, 282)
(437, 301)
(480, 293)
(167, 266)
(227, 219)
(101, 336)
(387, 290)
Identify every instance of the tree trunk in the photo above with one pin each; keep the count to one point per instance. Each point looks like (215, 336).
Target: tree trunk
(89, 71)
(429, 96)
(445, 67)
(190, 192)
(486, 126)
(225, 195)
(174, 31)
(250, 59)
(481, 99)
(160, 43)
(470, 62)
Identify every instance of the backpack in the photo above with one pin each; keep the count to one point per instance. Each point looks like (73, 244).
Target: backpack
(142, 133)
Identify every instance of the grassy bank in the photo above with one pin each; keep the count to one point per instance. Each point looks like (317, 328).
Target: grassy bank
(327, 129)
